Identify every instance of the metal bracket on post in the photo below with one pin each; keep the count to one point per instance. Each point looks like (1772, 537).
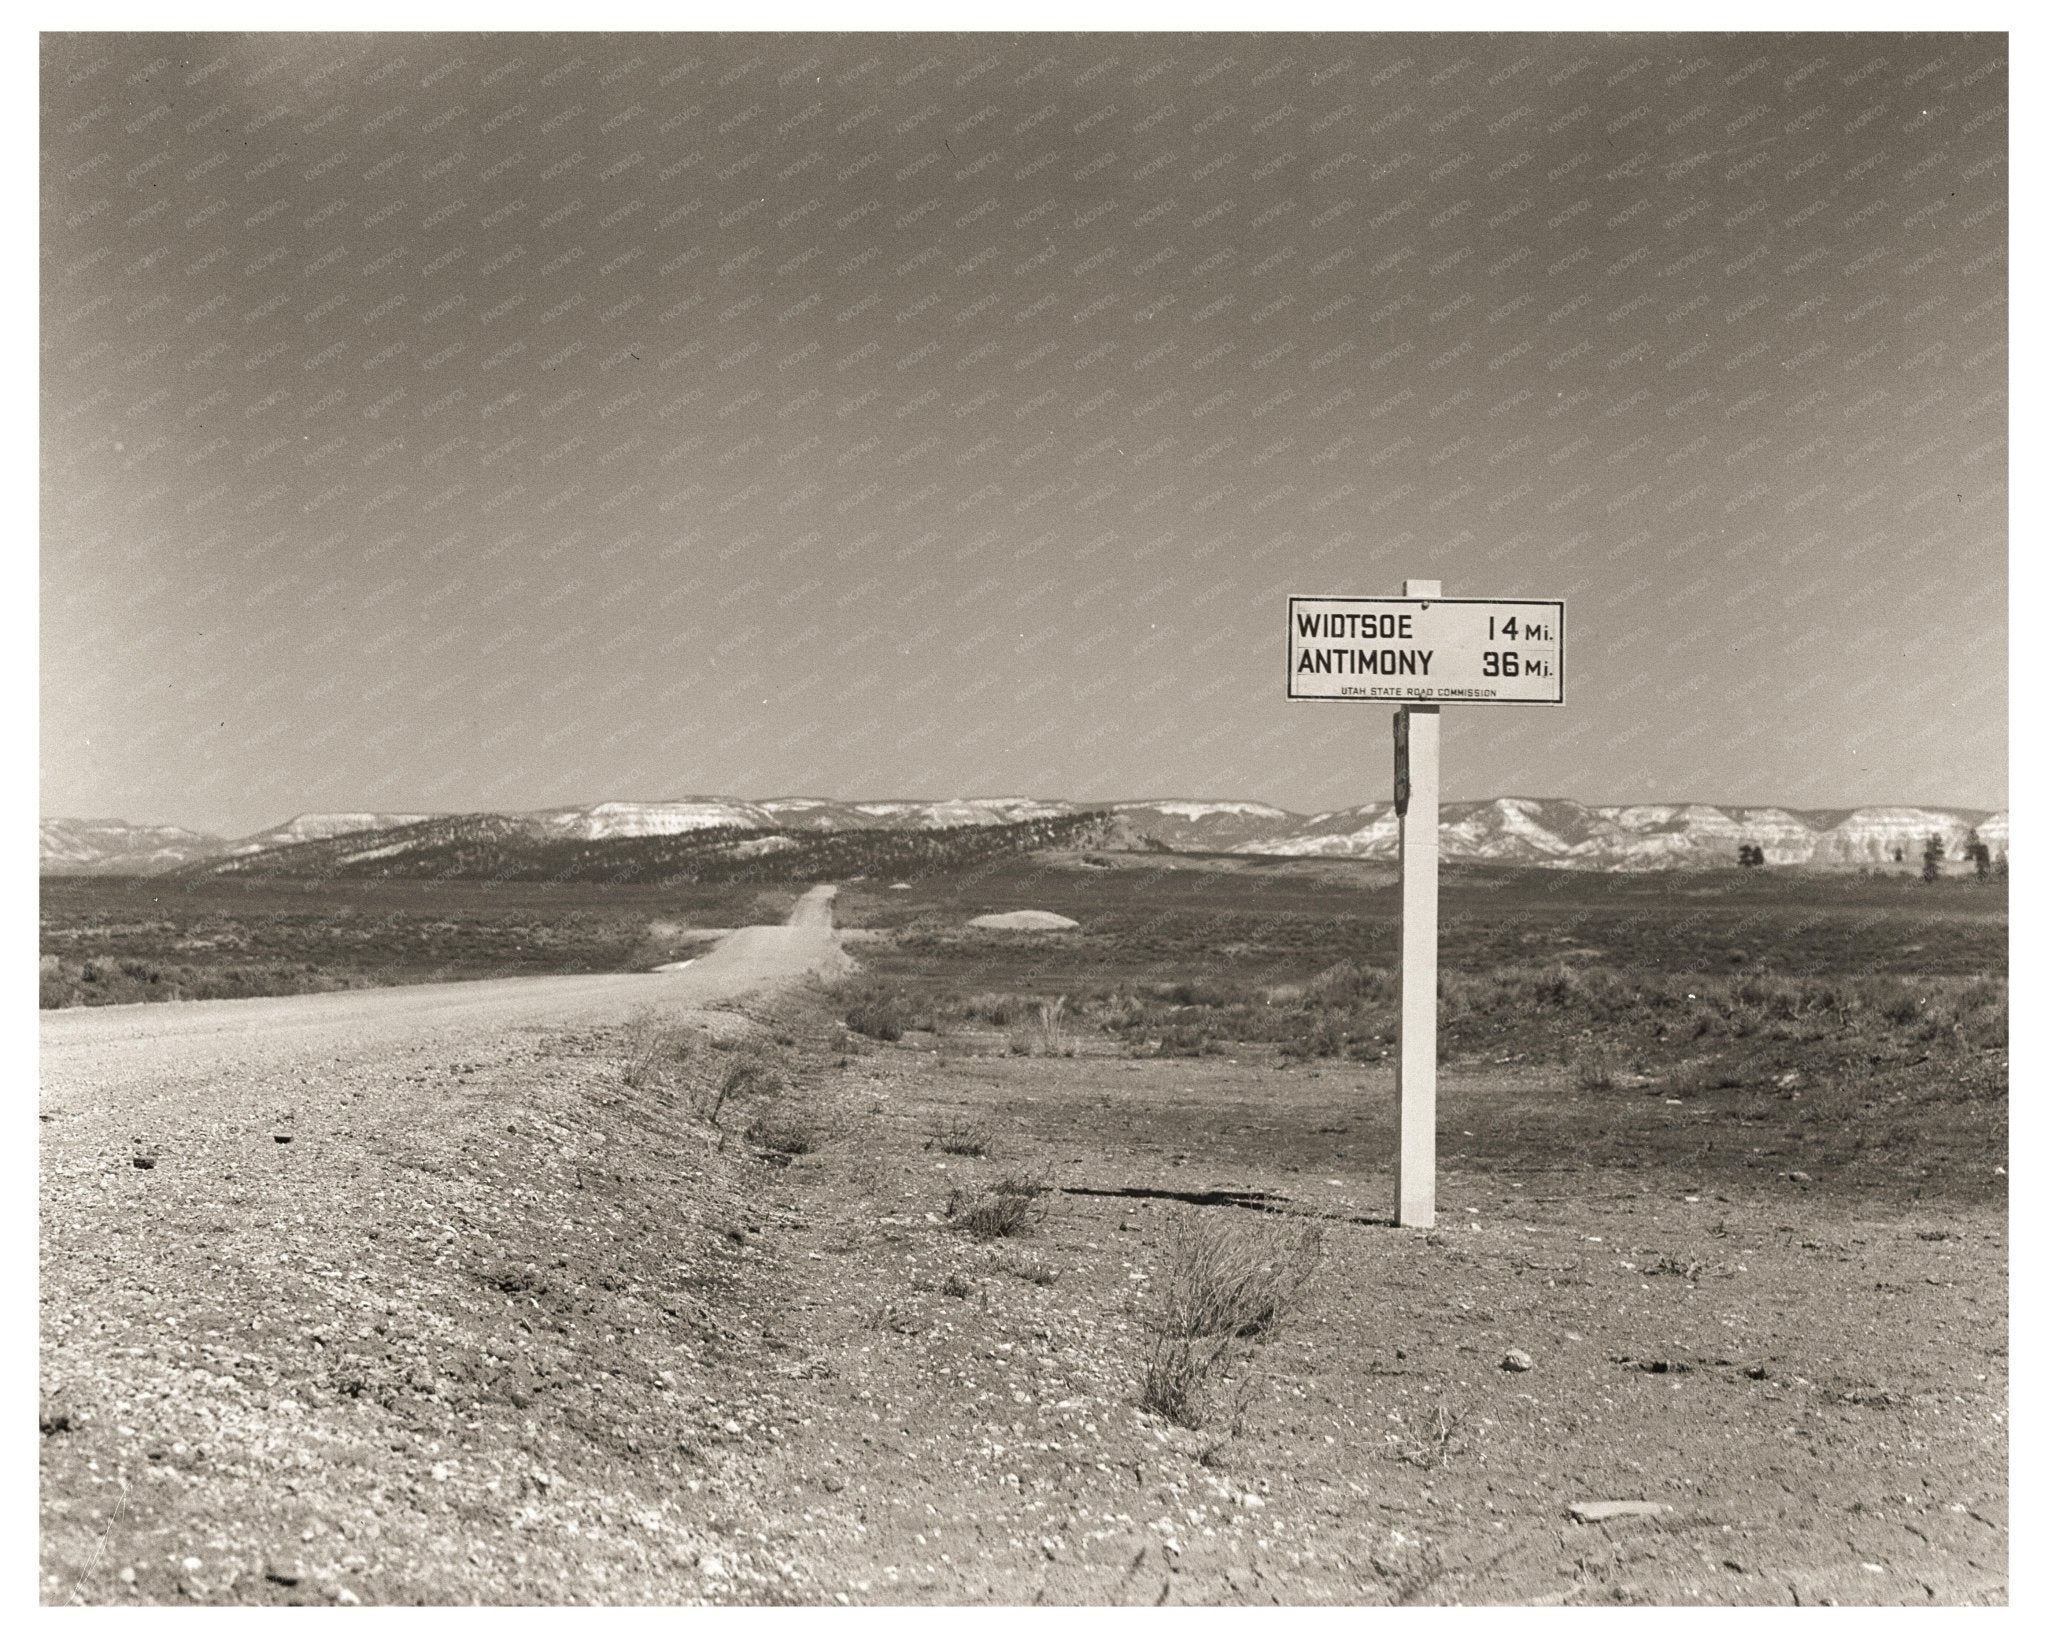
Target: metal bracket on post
(1401, 763)
(1417, 737)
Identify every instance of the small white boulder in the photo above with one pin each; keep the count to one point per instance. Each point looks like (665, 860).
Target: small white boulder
(1041, 921)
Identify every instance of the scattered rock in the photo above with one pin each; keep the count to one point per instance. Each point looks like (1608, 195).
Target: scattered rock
(1596, 1512)
(1516, 1360)
(1799, 1177)
(281, 1137)
(1026, 921)
(142, 1162)
(834, 1483)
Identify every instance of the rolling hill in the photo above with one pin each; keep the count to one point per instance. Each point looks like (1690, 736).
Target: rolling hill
(725, 835)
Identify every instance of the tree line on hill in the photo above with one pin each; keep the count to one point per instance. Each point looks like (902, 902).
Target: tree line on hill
(1932, 852)
(722, 853)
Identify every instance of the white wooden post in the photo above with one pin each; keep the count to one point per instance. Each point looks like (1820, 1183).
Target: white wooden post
(1415, 1072)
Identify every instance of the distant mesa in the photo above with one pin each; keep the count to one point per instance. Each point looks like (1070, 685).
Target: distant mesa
(318, 827)
(113, 846)
(1554, 832)
(1026, 921)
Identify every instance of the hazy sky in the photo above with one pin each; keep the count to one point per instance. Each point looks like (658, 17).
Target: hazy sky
(448, 422)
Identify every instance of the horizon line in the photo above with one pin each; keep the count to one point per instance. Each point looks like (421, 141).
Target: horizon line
(1106, 803)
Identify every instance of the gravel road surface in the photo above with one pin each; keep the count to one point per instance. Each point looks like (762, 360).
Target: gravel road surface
(101, 1050)
(357, 1297)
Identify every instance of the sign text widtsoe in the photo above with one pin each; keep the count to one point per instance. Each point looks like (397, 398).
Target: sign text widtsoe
(1426, 650)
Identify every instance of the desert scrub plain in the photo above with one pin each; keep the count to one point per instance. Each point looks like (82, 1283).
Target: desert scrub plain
(930, 1288)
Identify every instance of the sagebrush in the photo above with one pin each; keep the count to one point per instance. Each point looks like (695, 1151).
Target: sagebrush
(1013, 1206)
(966, 1135)
(1222, 1286)
(788, 1128)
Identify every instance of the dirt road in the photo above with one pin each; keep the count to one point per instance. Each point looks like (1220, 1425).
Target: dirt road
(289, 1245)
(95, 1050)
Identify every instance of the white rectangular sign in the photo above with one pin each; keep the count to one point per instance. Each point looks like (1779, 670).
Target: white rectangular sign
(1426, 650)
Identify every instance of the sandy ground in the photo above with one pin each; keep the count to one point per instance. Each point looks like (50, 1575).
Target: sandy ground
(1809, 1390)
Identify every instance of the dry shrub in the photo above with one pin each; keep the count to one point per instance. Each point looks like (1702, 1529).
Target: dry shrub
(1053, 1040)
(1177, 1378)
(1594, 1070)
(1348, 985)
(1432, 1445)
(657, 1053)
(752, 1071)
(1116, 1012)
(879, 1018)
(966, 1135)
(665, 1060)
(1045, 1029)
(1016, 1205)
(1000, 1010)
(882, 1010)
(1194, 1040)
(1224, 1285)
(788, 1128)
(1236, 1277)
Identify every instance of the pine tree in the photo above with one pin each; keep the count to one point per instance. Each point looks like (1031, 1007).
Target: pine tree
(1979, 854)
(1930, 859)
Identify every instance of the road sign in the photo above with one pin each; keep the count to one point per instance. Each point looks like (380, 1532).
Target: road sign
(1422, 651)
(1426, 650)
